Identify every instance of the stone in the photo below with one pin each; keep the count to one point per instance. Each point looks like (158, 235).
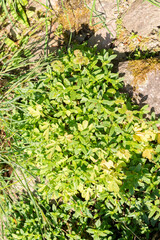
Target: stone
(40, 5)
(142, 81)
(38, 46)
(134, 30)
(142, 17)
(107, 12)
(102, 38)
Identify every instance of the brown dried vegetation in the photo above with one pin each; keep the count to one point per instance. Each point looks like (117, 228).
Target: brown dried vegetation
(140, 68)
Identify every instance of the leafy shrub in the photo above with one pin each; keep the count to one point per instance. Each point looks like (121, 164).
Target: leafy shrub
(97, 157)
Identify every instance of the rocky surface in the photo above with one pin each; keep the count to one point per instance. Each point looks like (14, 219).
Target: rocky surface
(133, 24)
(105, 11)
(102, 38)
(41, 5)
(138, 27)
(142, 18)
(141, 79)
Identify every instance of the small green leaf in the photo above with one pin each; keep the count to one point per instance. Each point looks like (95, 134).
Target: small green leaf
(85, 124)
(113, 186)
(9, 42)
(158, 149)
(111, 90)
(98, 223)
(123, 109)
(152, 212)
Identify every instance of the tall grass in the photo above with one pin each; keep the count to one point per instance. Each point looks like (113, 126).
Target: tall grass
(18, 71)
(154, 2)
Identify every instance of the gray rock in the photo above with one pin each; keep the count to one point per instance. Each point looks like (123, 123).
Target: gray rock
(107, 12)
(102, 38)
(40, 5)
(142, 18)
(143, 78)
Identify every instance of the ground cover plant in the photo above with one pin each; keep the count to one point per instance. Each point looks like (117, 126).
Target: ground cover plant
(93, 155)
(96, 156)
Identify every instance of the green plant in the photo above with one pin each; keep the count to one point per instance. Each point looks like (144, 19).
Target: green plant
(24, 222)
(138, 54)
(95, 154)
(15, 11)
(154, 2)
(59, 30)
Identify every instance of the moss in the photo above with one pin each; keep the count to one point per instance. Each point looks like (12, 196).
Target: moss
(140, 68)
(72, 19)
(73, 4)
(74, 14)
